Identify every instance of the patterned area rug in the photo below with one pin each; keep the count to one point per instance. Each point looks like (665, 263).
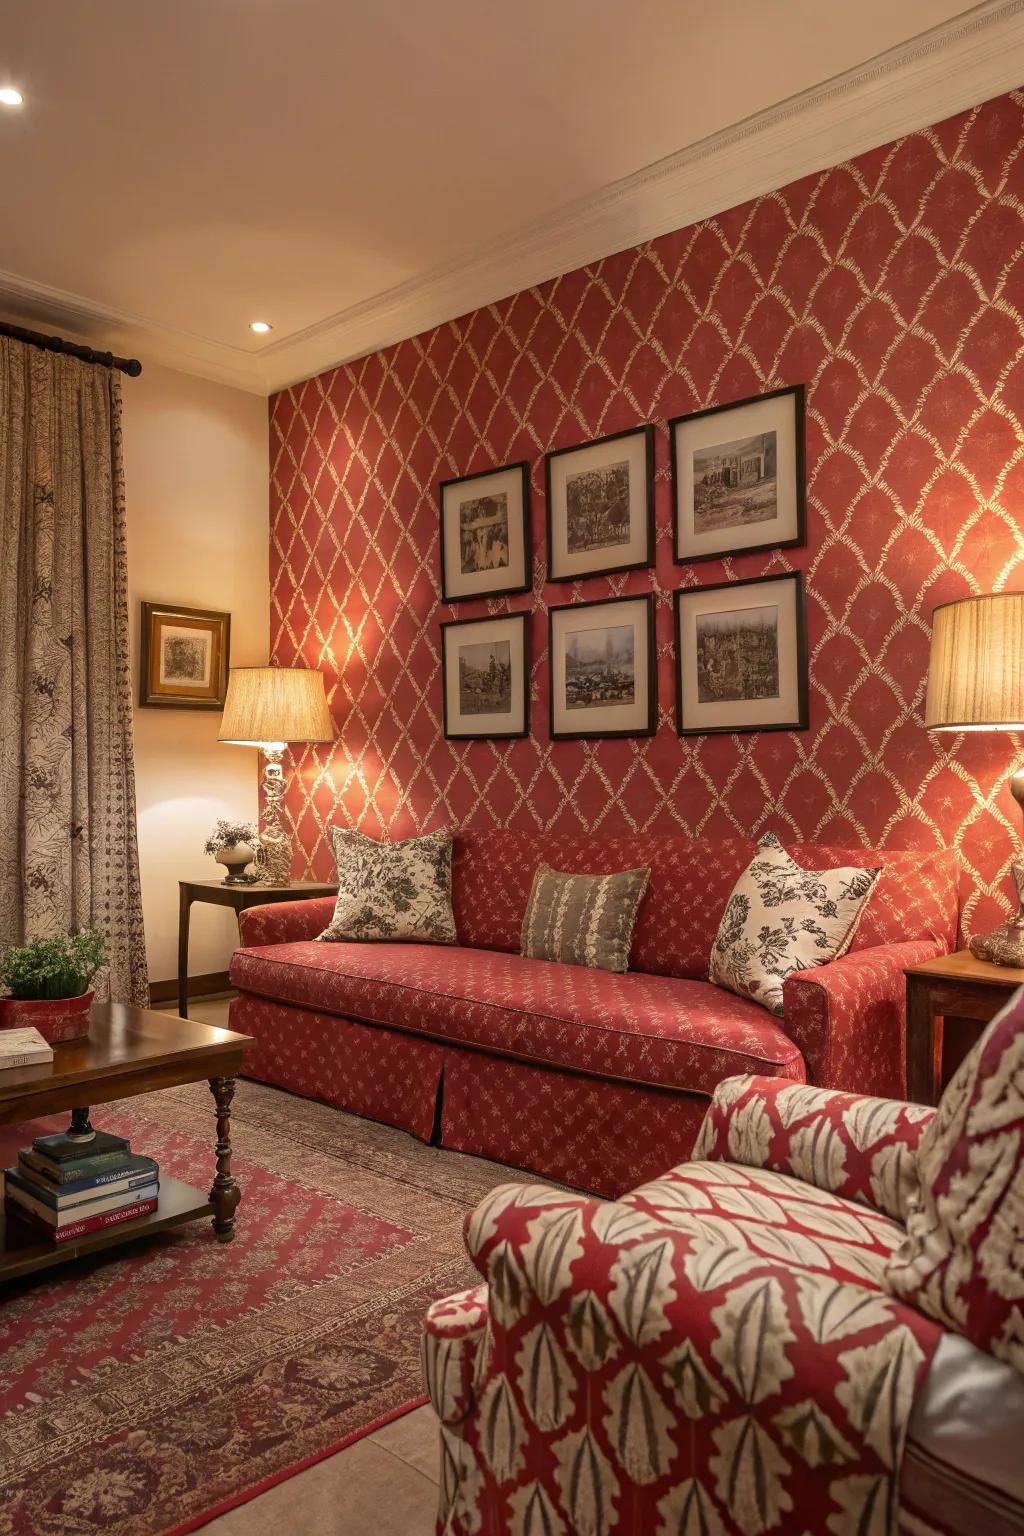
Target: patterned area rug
(143, 1391)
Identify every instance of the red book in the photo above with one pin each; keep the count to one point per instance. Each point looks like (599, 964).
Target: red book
(88, 1223)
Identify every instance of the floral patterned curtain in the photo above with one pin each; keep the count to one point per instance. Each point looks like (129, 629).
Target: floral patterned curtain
(68, 846)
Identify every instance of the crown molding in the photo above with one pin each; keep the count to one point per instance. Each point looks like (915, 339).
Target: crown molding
(968, 60)
(47, 309)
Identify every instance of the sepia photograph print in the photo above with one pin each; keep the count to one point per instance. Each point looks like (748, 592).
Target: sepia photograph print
(738, 655)
(600, 505)
(741, 656)
(738, 477)
(734, 483)
(485, 676)
(602, 668)
(486, 549)
(483, 533)
(183, 655)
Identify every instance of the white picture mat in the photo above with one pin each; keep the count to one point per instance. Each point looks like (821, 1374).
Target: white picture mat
(740, 714)
(778, 416)
(486, 631)
(631, 450)
(479, 582)
(599, 718)
(182, 632)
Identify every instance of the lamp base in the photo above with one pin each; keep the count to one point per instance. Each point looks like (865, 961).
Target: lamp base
(275, 863)
(1005, 945)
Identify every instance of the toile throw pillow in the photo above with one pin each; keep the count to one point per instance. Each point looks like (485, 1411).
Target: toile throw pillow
(393, 890)
(781, 918)
(583, 919)
(962, 1261)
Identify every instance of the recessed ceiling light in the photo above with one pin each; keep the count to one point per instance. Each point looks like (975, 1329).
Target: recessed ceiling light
(259, 326)
(9, 97)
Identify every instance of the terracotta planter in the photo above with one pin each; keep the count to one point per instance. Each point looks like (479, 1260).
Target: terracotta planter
(56, 1018)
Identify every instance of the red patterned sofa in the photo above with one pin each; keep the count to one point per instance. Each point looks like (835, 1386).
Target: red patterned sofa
(594, 1079)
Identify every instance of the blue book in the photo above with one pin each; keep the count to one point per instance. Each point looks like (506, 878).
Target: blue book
(59, 1213)
(86, 1172)
(130, 1172)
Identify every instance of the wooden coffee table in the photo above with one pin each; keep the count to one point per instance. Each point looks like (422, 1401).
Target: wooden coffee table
(126, 1052)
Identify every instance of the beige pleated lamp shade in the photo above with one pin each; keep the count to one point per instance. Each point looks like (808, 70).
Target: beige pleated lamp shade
(976, 671)
(275, 704)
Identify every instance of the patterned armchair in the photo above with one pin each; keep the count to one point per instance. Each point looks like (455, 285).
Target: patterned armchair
(711, 1355)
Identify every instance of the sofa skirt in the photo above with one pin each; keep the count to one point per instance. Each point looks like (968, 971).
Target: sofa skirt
(595, 1134)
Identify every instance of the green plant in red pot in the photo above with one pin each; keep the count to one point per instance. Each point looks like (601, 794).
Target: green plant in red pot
(49, 984)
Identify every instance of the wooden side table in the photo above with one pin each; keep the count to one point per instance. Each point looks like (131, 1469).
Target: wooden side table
(238, 897)
(954, 987)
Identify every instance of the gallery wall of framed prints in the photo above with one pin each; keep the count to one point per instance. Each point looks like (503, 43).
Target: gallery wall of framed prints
(741, 663)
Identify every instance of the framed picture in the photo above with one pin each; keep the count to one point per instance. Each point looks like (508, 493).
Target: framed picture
(485, 675)
(738, 477)
(485, 534)
(184, 654)
(603, 679)
(741, 656)
(600, 500)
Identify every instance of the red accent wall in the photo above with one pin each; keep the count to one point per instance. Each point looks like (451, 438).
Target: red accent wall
(893, 287)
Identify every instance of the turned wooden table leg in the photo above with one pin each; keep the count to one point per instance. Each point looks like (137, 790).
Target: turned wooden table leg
(80, 1125)
(225, 1193)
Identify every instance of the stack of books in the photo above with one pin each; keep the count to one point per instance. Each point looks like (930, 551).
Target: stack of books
(67, 1185)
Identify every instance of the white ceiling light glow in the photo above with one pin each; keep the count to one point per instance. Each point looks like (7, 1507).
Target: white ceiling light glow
(259, 326)
(9, 97)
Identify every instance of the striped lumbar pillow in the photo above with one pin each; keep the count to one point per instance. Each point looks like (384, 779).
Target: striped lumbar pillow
(583, 919)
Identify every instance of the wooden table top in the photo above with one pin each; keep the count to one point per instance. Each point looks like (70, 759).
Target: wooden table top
(123, 1040)
(963, 967)
(258, 888)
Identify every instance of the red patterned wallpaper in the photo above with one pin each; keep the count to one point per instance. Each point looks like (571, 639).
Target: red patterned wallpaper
(894, 288)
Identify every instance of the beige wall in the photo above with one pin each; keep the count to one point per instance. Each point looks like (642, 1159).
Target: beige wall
(196, 469)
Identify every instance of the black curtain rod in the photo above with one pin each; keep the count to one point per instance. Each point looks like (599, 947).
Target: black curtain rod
(129, 365)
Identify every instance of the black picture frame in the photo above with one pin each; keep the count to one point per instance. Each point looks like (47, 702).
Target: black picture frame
(801, 723)
(644, 430)
(799, 538)
(650, 726)
(496, 620)
(449, 596)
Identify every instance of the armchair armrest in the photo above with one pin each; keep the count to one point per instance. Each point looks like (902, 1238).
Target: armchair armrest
(284, 922)
(848, 1017)
(864, 1149)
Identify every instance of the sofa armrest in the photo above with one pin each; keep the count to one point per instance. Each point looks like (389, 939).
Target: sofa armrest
(848, 1017)
(864, 1149)
(284, 922)
(453, 1330)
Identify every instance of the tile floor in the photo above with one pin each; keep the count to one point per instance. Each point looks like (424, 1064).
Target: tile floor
(383, 1485)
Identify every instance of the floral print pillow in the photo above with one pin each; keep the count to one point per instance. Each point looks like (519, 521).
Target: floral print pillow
(393, 890)
(781, 918)
(962, 1261)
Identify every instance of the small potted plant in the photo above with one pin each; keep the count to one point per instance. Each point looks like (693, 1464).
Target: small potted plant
(233, 844)
(48, 982)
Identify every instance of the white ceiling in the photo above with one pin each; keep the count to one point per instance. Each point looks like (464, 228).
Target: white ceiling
(355, 170)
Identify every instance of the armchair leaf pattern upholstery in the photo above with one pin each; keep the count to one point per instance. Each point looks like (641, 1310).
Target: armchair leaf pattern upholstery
(712, 1355)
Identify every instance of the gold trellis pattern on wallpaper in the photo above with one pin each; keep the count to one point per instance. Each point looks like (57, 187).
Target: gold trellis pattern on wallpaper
(894, 288)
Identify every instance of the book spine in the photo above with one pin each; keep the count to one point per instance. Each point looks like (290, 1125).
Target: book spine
(25, 1059)
(48, 1212)
(64, 1181)
(66, 1196)
(97, 1223)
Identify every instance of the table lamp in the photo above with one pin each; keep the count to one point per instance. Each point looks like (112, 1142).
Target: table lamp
(268, 707)
(976, 683)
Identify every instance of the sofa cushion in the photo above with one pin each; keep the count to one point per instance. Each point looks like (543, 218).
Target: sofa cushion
(782, 918)
(963, 1258)
(916, 895)
(583, 919)
(636, 1028)
(393, 890)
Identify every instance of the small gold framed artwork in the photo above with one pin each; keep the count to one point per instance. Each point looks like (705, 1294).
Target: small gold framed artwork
(183, 655)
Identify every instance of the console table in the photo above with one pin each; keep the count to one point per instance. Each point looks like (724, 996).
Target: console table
(238, 897)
